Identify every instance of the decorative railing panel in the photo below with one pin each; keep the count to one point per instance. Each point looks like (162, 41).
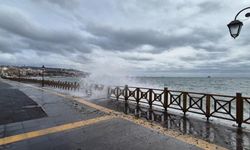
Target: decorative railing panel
(175, 101)
(223, 107)
(246, 108)
(158, 97)
(196, 103)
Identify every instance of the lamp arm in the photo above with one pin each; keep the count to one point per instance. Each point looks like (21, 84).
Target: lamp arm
(240, 12)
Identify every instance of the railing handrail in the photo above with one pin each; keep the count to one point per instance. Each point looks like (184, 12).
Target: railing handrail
(199, 93)
(191, 92)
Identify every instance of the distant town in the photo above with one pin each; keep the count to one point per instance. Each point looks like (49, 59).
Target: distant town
(29, 71)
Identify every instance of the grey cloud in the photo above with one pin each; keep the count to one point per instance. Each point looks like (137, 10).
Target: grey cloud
(16, 22)
(33, 36)
(9, 43)
(5, 45)
(58, 47)
(67, 4)
(127, 39)
(209, 6)
(135, 58)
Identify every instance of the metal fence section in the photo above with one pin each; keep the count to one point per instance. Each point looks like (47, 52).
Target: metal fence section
(56, 84)
(233, 108)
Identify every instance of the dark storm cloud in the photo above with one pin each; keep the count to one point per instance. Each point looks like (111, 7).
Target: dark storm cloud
(9, 43)
(16, 23)
(33, 36)
(127, 39)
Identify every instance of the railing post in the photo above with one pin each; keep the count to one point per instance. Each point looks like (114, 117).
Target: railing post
(208, 97)
(239, 109)
(74, 86)
(150, 98)
(137, 96)
(71, 85)
(68, 85)
(165, 104)
(126, 94)
(117, 95)
(184, 102)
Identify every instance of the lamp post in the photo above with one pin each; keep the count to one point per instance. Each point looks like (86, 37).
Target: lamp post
(236, 25)
(43, 69)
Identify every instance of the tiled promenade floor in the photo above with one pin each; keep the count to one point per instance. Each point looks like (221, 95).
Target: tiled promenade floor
(15, 106)
(73, 126)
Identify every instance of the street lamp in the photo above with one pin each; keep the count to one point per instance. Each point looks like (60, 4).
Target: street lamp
(236, 25)
(43, 69)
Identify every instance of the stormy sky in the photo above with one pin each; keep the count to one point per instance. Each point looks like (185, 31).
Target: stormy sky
(136, 37)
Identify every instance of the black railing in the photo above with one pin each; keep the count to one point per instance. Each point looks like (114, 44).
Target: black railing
(56, 84)
(233, 108)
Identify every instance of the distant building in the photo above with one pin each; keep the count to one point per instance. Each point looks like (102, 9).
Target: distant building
(37, 71)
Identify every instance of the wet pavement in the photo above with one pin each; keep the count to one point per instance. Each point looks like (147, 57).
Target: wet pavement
(50, 132)
(15, 106)
(229, 137)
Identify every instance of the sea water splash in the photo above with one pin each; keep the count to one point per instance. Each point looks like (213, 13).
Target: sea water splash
(224, 86)
(106, 72)
(214, 85)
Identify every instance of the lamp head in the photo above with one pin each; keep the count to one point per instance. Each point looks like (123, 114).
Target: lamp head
(235, 27)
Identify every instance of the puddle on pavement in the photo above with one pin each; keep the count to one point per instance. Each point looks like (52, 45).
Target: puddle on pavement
(225, 136)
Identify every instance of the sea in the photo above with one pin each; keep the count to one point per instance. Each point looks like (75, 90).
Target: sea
(212, 85)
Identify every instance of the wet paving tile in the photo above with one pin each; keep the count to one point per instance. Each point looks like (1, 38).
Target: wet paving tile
(14, 109)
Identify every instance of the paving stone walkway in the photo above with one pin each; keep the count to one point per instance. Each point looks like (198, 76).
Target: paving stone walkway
(58, 131)
(15, 106)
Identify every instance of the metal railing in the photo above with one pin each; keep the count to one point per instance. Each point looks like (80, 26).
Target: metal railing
(56, 84)
(233, 108)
